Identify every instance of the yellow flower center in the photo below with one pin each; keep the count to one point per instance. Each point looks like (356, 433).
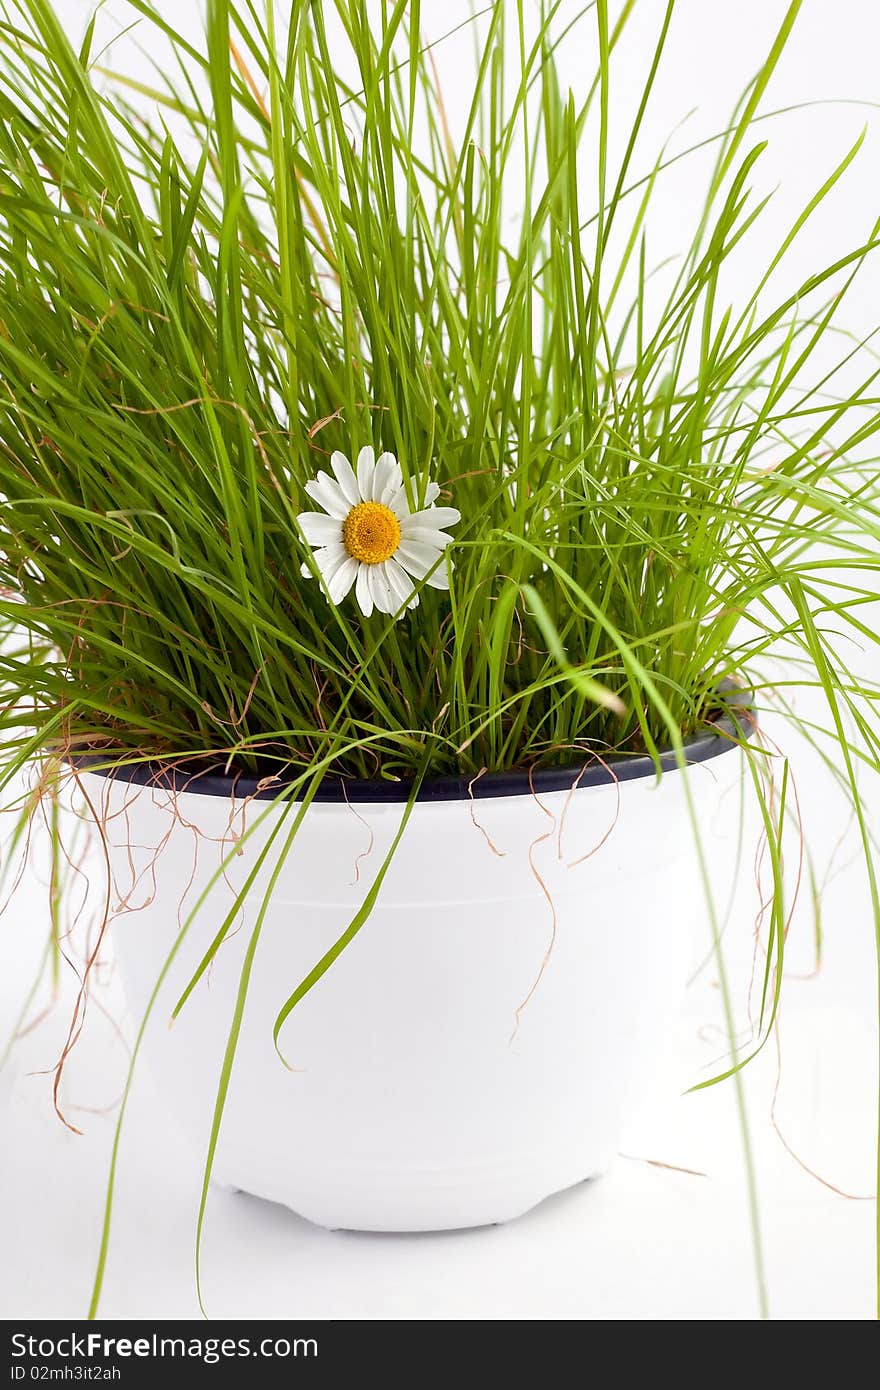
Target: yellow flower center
(371, 533)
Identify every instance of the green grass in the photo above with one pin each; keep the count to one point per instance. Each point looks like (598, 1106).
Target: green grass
(174, 324)
(659, 490)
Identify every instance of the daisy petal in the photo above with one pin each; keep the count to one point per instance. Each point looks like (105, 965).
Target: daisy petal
(439, 579)
(342, 580)
(397, 501)
(386, 477)
(394, 487)
(328, 495)
(401, 584)
(329, 555)
(416, 558)
(436, 517)
(319, 528)
(378, 587)
(425, 535)
(432, 492)
(345, 477)
(363, 590)
(328, 559)
(365, 469)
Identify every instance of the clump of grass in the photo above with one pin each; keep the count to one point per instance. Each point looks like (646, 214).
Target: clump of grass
(657, 490)
(188, 328)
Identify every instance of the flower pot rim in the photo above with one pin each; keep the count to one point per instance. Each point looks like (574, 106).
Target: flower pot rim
(719, 736)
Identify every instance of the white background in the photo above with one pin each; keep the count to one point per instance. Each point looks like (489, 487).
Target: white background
(647, 1241)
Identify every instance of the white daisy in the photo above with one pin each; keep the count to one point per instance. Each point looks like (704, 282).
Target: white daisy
(367, 536)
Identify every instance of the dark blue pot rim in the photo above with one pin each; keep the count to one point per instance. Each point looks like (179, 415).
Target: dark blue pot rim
(723, 733)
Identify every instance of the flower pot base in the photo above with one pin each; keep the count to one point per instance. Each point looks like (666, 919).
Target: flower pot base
(410, 1204)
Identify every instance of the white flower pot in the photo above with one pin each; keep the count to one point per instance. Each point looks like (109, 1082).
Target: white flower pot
(478, 1044)
(22, 944)
(24, 933)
